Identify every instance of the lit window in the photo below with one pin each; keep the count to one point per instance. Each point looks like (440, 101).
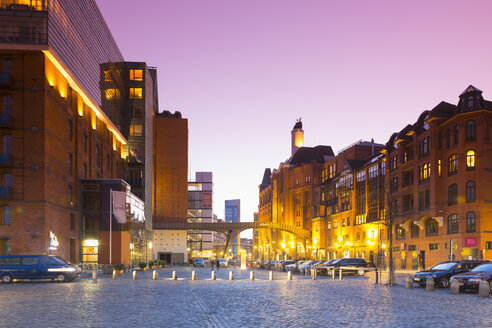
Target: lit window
(136, 93)
(112, 93)
(470, 159)
(107, 76)
(439, 167)
(136, 75)
(453, 164)
(136, 130)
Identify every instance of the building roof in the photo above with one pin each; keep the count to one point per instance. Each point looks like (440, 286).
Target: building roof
(308, 154)
(267, 179)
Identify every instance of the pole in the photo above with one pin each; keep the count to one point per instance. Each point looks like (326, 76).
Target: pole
(110, 225)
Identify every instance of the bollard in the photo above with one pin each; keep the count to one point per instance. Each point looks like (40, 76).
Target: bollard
(214, 276)
(155, 275)
(376, 276)
(135, 275)
(429, 284)
(306, 272)
(231, 275)
(270, 275)
(289, 275)
(409, 282)
(115, 274)
(484, 289)
(252, 275)
(315, 273)
(333, 273)
(455, 287)
(341, 275)
(193, 275)
(94, 276)
(175, 275)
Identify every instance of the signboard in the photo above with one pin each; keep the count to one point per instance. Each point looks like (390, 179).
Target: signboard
(471, 242)
(53, 241)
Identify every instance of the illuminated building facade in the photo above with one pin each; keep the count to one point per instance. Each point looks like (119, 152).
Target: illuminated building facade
(170, 185)
(56, 129)
(439, 184)
(200, 209)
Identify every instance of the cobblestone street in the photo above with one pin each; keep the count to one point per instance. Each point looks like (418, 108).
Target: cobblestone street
(302, 302)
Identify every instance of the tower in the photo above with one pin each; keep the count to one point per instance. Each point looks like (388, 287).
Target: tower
(297, 136)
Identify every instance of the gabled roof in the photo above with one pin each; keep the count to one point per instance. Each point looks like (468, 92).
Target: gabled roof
(354, 164)
(470, 88)
(267, 180)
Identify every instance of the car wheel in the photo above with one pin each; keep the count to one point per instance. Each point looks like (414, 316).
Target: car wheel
(7, 278)
(60, 277)
(444, 282)
(361, 272)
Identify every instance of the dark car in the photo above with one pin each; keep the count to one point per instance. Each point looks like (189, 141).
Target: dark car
(442, 272)
(357, 265)
(471, 279)
(22, 267)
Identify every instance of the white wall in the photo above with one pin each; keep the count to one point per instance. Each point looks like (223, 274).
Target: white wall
(169, 241)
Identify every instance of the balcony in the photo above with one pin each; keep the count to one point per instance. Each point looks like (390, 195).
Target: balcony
(6, 193)
(6, 80)
(6, 121)
(6, 160)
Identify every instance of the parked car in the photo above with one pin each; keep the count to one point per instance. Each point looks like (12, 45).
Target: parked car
(13, 267)
(358, 266)
(285, 264)
(442, 272)
(198, 263)
(223, 263)
(471, 279)
(303, 267)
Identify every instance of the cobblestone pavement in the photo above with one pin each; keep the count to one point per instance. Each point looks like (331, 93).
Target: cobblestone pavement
(302, 302)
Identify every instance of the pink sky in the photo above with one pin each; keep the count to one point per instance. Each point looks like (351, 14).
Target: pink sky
(243, 71)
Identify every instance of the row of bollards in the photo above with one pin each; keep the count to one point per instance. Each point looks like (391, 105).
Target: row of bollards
(483, 286)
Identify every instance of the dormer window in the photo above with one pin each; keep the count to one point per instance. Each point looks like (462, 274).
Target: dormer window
(470, 102)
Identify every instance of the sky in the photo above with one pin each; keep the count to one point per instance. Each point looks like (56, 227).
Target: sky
(242, 72)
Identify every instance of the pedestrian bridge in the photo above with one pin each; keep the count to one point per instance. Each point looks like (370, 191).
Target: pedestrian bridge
(231, 229)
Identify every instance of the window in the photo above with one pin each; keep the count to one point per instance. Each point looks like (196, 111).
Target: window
(424, 199)
(453, 194)
(470, 130)
(70, 130)
(7, 65)
(488, 245)
(470, 191)
(408, 202)
(70, 164)
(424, 172)
(5, 215)
(98, 157)
(414, 231)
(470, 222)
(107, 76)
(453, 223)
(412, 248)
(453, 164)
(136, 75)
(431, 227)
(7, 104)
(407, 178)
(394, 185)
(439, 167)
(343, 222)
(439, 140)
(434, 247)
(455, 141)
(335, 224)
(70, 194)
(470, 160)
(136, 93)
(137, 111)
(393, 163)
(424, 146)
(5, 249)
(7, 144)
(448, 138)
(84, 143)
(7, 180)
(400, 233)
(112, 93)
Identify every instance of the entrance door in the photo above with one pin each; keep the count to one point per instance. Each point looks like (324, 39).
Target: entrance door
(165, 257)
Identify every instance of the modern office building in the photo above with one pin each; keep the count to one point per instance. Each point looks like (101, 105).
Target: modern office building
(170, 185)
(200, 209)
(233, 214)
(57, 130)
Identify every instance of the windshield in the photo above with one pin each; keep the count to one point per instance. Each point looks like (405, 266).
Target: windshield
(483, 268)
(59, 258)
(443, 266)
(335, 261)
